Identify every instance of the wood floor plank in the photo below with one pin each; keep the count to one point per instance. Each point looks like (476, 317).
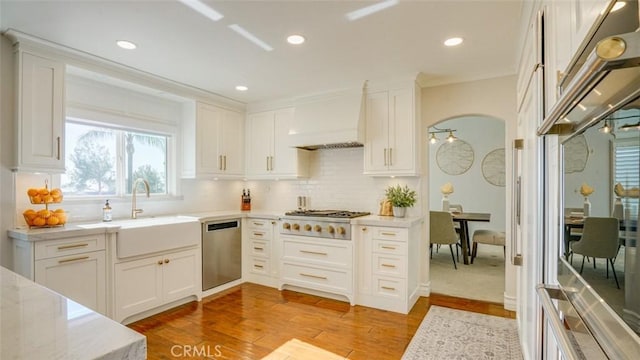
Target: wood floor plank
(250, 321)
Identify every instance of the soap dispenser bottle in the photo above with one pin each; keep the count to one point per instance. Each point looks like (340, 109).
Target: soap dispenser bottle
(106, 212)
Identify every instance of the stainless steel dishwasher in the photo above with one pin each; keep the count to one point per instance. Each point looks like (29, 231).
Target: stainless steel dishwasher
(221, 252)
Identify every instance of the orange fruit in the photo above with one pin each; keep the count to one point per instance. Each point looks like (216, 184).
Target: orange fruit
(58, 211)
(47, 199)
(53, 220)
(61, 215)
(36, 199)
(56, 192)
(38, 221)
(43, 191)
(57, 199)
(44, 213)
(32, 192)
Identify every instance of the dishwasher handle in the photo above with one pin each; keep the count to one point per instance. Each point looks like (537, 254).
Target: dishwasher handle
(222, 225)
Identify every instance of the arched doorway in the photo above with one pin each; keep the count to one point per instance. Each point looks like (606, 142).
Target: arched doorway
(473, 164)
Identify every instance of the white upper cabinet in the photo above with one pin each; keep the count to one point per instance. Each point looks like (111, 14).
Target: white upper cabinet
(40, 113)
(391, 141)
(269, 151)
(213, 142)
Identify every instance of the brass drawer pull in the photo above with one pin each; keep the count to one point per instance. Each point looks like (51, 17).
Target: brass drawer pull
(166, 261)
(388, 233)
(258, 223)
(258, 266)
(74, 246)
(389, 266)
(388, 288)
(314, 276)
(160, 262)
(73, 259)
(313, 252)
(258, 248)
(388, 247)
(258, 234)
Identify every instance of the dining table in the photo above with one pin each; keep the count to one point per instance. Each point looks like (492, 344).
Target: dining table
(463, 218)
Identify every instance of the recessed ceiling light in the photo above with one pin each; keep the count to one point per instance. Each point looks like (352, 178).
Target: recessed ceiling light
(295, 39)
(454, 41)
(242, 88)
(126, 44)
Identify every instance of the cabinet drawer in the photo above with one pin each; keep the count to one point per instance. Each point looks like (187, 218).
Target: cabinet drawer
(260, 234)
(333, 254)
(318, 278)
(69, 246)
(259, 266)
(264, 225)
(389, 265)
(388, 287)
(397, 234)
(389, 247)
(260, 248)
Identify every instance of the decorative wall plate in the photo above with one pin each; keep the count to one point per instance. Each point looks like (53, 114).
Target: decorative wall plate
(576, 154)
(455, 158)
(493, 167)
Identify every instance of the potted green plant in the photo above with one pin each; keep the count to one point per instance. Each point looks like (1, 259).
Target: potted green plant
(401, 198)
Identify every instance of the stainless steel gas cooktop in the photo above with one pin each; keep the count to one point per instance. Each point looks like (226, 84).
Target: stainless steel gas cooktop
(327, 213)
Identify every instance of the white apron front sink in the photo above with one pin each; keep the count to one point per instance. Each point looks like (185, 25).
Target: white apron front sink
(150, 235)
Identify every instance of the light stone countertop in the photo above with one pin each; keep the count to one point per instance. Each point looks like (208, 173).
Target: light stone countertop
(81, 229)
(38, 323)
(390, 221)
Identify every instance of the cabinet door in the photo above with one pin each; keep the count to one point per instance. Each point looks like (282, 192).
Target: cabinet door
(138, 286)
(363, 239)
(231, 138)
(377, 127)
(80, 277)
(180, 275)
(285, 157)
(208, 156)
(401, 152)
(40, 113)
(260, 142)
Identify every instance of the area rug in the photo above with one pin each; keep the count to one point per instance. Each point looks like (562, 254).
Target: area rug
(457, 334)
(295, 349)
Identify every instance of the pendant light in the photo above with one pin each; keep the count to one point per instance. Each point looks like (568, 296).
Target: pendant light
(451, 138)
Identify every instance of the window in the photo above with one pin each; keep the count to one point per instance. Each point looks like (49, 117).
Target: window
(627, 171)
(104, 160)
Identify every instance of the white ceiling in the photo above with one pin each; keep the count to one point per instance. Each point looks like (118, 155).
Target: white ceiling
(177, 43)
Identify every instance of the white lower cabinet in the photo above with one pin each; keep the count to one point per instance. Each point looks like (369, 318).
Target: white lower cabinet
(260, 253)
(153, 281)
(388, 267)
(74, 267)
(324, 265)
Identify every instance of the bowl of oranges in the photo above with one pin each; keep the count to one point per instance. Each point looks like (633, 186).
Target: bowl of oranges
(45, 217)
(44, 196)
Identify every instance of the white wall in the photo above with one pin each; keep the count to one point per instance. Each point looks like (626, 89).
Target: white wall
(491, 97)
(471, 190)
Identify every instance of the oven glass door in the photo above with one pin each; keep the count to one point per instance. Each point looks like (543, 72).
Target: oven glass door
(599, 266)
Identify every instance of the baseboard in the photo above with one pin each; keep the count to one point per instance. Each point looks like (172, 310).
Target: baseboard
(425, 289)
(510, 302)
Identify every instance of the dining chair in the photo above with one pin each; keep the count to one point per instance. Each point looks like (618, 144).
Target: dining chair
(599, 240)
(441, 232)
(457, 208)
(488, 237)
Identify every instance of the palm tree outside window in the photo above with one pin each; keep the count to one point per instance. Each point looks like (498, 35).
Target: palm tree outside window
(103, 160)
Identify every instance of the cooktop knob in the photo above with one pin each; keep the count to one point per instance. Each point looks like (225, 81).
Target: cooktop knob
(330, 229)
(296, 227)
(286, 226)
(317, 228)
(307, 227)
(341, 230)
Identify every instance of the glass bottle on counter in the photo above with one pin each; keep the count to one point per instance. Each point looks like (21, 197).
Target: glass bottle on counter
(106, 212)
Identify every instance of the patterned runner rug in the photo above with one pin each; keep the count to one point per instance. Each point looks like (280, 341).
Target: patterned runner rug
(456, 334)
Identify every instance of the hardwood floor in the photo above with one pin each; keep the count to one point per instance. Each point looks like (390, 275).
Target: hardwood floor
(250, 321)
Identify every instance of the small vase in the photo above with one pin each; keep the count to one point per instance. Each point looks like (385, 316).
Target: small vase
(586, 207)
(445, 203)
(399, 212)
